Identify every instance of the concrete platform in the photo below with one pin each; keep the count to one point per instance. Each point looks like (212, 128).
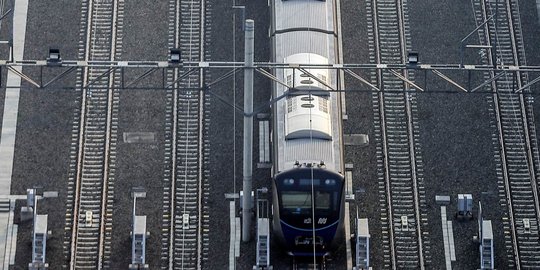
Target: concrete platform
(8, 234)
(11, 102)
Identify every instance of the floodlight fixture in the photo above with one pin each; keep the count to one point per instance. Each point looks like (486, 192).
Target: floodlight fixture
(54, 58)
(412, 58)
(175, 56)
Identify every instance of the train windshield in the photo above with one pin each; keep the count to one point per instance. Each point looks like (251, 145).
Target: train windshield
(297, 202)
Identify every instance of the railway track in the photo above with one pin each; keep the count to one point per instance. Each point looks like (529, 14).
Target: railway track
(516, 150)
(399, 162)
(185, 218)
(88, 229)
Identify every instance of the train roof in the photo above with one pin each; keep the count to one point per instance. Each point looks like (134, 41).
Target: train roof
(305, 27)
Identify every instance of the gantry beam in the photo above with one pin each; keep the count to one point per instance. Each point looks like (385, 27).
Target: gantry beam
(65, 67)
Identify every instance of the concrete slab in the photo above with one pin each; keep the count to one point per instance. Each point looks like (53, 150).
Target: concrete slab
(4, 217)
(139, 137)
(356, 139)
(11, 102)
(442, 199)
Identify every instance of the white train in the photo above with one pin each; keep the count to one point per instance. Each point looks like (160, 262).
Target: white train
(308, 184)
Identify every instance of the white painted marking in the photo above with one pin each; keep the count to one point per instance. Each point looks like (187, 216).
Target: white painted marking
(15, 197)
(348, 248)
(11, 102)
(238, 231)
(13, 244)
(538, 10)
(347, 222)
(264, 141)
(451, 246)
(446, 240)
(232, 234)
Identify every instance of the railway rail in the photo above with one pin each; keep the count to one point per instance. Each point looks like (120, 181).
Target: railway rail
(516, 150)
(88, 229)
(399, 161)
(185, 219)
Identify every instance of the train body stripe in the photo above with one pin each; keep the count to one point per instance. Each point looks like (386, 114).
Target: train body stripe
(308, 230)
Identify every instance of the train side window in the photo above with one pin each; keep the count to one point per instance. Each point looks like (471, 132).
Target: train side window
(291, 104)
(323, 104)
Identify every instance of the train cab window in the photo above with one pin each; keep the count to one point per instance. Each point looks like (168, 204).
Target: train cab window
(296, 202)
(299, 202)
(322, 200)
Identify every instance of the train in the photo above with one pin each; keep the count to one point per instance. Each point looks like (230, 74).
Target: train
(308, 186)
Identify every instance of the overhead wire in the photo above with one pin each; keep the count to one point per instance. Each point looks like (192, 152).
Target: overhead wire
(310, 51)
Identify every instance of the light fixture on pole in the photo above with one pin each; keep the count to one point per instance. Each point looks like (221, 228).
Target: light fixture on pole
(175, 56)
(54, 58)
(412, 58)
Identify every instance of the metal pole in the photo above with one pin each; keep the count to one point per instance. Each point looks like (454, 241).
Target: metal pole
(248, 129)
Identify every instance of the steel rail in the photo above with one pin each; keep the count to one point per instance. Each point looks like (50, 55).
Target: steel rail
(108, 137)
(501, 140)
(202, 118)
(412, 149)
(172, 201)
(80, 146)
(516, 146)
(392, 108)
(185, 242)
(523, 106)
(515, 38)
(383, 131)
(89, 244)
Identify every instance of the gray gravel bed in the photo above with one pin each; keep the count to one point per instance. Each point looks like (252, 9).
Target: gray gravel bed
(455, 133)
(141, 164)
(360, 121)
(44, 123)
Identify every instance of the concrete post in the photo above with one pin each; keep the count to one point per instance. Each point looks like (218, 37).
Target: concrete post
(248, 130)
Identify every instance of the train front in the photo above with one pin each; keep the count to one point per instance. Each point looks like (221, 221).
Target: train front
(310, 207)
